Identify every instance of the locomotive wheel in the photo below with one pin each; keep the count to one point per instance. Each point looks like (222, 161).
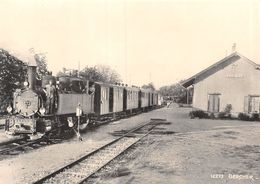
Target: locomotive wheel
(59, 128)
(60, 131)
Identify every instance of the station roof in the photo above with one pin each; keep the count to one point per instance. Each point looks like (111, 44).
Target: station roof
(215, 68)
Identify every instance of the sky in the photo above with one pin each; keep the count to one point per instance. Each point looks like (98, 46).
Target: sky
(159, 41)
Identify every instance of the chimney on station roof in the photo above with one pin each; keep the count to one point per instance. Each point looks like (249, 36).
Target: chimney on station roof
(234, 47)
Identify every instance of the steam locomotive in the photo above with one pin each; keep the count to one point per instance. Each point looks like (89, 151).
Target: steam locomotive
(57, 103)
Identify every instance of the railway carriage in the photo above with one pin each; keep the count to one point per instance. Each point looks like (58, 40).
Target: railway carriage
(131, 98)
(102, 99)
(145, 98)
(108, 98)
(155, 98)
(116, 97)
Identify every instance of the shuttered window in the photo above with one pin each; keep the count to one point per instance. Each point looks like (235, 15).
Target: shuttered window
(213, 102)
(252, 104)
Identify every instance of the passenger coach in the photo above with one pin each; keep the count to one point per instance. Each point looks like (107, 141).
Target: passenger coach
(131, 98)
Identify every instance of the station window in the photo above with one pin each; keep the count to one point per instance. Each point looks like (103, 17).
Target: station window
(252, 104)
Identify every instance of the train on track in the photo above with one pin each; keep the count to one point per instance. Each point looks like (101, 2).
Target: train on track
(55, 104)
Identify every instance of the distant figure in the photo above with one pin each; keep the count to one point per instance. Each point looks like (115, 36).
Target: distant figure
(91, 89)
(50, 94)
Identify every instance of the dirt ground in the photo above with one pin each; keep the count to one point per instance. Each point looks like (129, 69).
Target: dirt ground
(200, 151)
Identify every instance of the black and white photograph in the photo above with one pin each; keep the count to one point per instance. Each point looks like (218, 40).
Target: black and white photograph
(130, 92)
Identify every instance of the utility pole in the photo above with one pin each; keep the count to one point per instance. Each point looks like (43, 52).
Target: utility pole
(125, 30)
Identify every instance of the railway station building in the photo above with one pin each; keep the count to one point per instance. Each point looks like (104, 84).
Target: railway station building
(232, 80)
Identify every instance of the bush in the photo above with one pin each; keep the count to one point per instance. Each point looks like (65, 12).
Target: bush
(228, 108)
(198, 114)
(254, 117)
(244, 117)
(222, 115)
(248, 117)
(227, 112)
(212, 116)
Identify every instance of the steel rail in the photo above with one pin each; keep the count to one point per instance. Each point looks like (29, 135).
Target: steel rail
(13, 140)
(73, 163)
(20, 146)
(94, 172)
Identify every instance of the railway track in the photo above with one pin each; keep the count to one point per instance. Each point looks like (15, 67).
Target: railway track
(14, 146)
(20, 145)
(80, 170)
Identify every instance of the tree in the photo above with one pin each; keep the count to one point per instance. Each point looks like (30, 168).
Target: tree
(149, 86)
(67, 72)
(108, 74)
(176, 91)
(12, 74)
(98, 73)
(91, 73)
(41, 62)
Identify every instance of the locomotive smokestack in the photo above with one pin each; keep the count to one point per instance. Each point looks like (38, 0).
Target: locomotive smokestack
(31, 72)
(29, 59)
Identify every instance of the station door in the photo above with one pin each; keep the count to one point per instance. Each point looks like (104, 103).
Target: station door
(213, 102)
